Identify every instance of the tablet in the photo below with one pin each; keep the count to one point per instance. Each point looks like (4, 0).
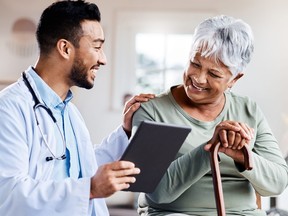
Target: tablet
(152, 148)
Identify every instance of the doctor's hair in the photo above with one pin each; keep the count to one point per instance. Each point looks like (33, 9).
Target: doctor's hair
(62, 20)
(225, 39)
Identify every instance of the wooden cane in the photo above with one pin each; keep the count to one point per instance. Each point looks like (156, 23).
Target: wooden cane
(218, 191)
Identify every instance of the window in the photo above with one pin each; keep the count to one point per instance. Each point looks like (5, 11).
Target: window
(151, 51)
(161, 59)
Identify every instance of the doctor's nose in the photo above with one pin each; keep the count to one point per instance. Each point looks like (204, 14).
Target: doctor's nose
(102, 58)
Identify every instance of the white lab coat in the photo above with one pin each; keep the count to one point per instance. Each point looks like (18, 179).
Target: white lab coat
(26, 187)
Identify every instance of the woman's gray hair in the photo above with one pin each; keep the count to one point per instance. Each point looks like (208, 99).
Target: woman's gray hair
(226, 39)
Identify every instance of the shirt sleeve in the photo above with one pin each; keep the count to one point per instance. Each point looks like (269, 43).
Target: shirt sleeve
(167, 191)
(269, 175)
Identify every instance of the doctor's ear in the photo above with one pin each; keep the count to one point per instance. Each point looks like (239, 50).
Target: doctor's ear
(64, 47)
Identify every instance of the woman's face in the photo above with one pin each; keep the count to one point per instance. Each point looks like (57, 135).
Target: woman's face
(205, 80)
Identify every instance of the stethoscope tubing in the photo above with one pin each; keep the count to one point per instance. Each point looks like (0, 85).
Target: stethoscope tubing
(38, 105)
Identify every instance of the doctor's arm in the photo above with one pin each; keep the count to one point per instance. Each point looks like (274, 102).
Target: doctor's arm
(113, 146)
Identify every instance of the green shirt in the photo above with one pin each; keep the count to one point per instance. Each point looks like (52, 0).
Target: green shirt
(187, 186)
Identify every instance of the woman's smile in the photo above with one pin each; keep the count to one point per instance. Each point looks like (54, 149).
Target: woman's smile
(198, 88)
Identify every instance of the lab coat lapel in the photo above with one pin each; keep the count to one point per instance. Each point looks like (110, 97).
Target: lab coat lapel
(87, 159)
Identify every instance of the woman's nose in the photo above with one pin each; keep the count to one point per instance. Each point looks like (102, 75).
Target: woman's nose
(200, 78)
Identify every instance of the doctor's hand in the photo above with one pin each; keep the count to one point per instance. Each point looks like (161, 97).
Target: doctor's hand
(111, 178)
(130, 107)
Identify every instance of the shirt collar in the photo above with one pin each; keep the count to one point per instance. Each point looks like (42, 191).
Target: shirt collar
(48, 96)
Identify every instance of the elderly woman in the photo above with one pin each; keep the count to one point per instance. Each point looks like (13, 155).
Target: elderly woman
(221, 48)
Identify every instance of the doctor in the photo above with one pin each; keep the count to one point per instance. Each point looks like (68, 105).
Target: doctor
(47, 164)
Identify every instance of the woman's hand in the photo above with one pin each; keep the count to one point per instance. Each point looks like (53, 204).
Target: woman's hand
(233, 136)
(130, 107)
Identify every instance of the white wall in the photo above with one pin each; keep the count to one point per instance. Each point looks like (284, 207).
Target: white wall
(265, 79)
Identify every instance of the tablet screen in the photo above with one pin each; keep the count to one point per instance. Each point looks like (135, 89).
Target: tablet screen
(152, 148)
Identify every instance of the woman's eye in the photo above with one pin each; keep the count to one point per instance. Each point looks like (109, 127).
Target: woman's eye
(195, 65)
(214, 75)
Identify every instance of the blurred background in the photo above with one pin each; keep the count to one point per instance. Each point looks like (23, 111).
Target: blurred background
(147, 44)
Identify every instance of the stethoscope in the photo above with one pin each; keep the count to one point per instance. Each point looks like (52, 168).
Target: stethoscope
(37, 105)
